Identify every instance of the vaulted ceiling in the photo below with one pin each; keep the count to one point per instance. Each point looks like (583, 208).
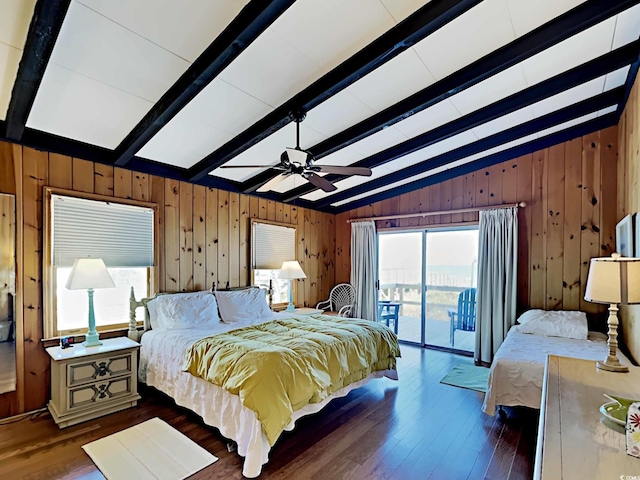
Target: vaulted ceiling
(417, 91)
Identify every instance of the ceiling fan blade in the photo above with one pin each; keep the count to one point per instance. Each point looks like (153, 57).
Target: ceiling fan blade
(363, 171)
(273, 182)
(320, 182)
(277, 166)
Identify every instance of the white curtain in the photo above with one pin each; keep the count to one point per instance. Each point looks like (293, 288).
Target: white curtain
(497, 280)
(363, 268)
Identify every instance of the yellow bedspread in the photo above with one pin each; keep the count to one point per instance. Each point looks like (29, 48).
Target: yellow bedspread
(280, 366)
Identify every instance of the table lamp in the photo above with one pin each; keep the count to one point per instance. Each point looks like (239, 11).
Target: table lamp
(291, 270)
(89, 274)
(613, 280)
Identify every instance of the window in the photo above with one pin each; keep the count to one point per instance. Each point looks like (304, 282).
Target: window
(271, 244)
(119, 231)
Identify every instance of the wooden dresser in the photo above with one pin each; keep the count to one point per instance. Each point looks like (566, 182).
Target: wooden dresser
(575, 441)
(88, 382)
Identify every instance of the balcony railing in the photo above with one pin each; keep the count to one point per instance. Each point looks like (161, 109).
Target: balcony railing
(439, 298)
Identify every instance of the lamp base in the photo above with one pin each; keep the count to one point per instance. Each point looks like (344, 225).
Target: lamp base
(92, 340)
(612, 364)
(290, 308)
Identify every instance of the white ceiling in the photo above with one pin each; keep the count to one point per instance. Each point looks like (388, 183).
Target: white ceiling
(115, 59)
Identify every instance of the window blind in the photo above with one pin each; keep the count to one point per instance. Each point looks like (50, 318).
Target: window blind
(272, 245)
(122, 235)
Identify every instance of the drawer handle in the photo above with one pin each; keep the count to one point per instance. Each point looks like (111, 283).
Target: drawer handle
(102, 369)
(103, 390)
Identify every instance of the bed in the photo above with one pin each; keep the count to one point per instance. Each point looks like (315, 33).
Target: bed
(517, 370)
(162, 365)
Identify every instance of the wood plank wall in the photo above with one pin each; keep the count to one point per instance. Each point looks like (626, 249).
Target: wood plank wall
(203, 239)
(629, 201)
(569, 218)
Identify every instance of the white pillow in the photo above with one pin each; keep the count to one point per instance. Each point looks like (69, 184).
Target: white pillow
(242, 304)
(555, 324)
(183, 310)
(530, 315)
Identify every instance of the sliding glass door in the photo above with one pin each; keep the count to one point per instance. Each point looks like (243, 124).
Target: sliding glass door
(451, 279)
(400, 274)
(427, 284)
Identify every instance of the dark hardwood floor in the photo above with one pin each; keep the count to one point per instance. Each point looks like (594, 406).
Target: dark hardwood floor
(415, 428)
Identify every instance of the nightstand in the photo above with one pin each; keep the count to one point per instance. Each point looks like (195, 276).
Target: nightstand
(308, 311)
(89, 382)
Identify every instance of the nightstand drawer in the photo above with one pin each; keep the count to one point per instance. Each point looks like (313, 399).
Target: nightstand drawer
(99, 392)
(90, 370)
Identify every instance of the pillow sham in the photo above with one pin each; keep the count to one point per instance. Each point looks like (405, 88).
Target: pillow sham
(555, 324)
(239, 305)
(183, 310)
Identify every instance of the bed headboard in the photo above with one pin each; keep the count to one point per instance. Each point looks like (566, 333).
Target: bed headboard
(133, 332)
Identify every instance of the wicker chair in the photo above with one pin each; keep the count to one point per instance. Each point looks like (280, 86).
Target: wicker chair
(341, 300)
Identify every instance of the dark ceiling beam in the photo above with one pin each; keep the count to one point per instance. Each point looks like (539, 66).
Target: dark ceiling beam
(593, 104)
(407, 33)
(630, 82)
(574, 21)
(515, 152)
(252, 20)
(44, 28)
(576, 76)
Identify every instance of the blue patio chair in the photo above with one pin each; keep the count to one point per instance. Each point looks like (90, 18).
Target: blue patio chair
(464, 318)
(389, 311)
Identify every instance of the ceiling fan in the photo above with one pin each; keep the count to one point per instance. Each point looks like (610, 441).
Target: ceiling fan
(295, 161)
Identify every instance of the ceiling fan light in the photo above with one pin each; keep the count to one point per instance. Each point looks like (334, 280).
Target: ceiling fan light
(298, 156)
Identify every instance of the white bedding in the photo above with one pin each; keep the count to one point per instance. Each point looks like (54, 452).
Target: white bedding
(517, 371)
(161, 357)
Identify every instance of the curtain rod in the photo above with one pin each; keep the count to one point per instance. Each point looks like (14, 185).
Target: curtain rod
(440, 212)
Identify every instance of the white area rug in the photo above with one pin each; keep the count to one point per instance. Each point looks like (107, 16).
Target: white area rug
(149, 450)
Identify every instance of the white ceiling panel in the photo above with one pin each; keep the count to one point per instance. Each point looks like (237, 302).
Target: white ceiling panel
(627, 27)
(98, 48)
(491, 90)
(218, 114)
(183, 28)
(9, 61)
(479, 31)
(572, 52)
(401, 9)
(292, 54)
(339, 112)
(14, 21)
(527, 15)
(617, 78)
(181, 143)
(330, 31)
(400, 77)
(271, 69)
(606, 111)
(503, 123)
(457, 141)
(430, 118)
(569, 97)
(385, 138)
(77, 107)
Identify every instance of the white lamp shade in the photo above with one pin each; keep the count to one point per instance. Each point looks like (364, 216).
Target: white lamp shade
(291, 270)
(613, 280)
(89, 273)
